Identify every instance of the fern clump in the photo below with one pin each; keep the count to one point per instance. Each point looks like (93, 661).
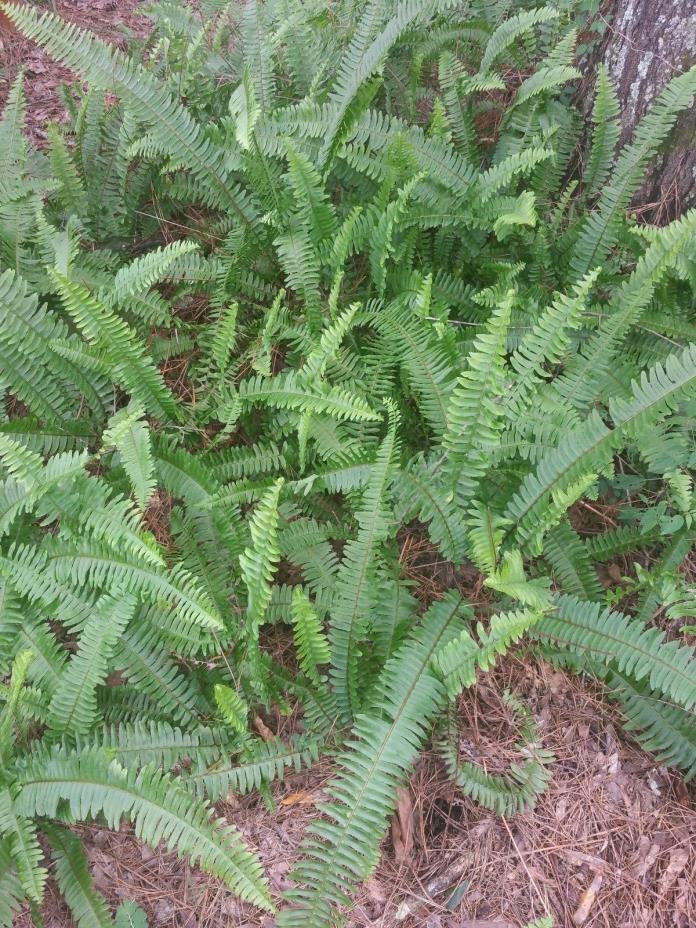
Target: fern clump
(284, 301)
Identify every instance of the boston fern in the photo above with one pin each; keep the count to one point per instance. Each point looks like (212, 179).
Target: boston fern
(294, 282)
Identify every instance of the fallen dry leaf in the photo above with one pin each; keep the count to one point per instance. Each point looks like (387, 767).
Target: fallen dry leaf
(402, 826)
(587, 900)
(301, 798)
(677, 861)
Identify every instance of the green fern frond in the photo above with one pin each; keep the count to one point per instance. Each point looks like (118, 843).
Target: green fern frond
(474, 418)
(571, 563)
(605, 136)
(232, 707)
(606, 637)
(25, 850)
(258, 563)
(159, 808)
(128, 361)
(354, 590)
(510, 30)
(74, 703)
(599, 230)
(171, 127)
(130, 435)
(666, 730)
(310, 641)
(87, 907)
(343, 847)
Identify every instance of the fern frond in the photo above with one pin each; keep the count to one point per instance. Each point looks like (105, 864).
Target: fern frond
(87, 907)
(354, 590)
(159, 808)
(599, 230)
(74, 703)
(343, 847)
(172, 130)
(610, 637)
(571, 563)
(510, 30)
(310, 641)
(666, 730)
(127, 358)
(474, 411)
(26, 853)
(607, 128)
(131, 437)
(258, 563)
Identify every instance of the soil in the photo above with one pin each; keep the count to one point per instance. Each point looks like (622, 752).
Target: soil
(611, 844)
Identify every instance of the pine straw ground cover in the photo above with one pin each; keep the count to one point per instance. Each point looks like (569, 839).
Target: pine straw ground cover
(611, 843)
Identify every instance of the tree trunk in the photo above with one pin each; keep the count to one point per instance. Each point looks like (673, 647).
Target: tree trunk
(646, 43)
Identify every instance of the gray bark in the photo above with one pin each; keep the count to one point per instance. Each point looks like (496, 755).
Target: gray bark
(645, 44)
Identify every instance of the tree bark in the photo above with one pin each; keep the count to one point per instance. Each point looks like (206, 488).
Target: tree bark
(646, 43)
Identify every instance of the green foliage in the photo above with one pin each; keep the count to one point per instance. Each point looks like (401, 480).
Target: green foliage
(402, 317)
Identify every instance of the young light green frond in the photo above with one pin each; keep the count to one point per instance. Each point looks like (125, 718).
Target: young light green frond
(511, 580)
(312, 202)
(486, 530)
(456, 662)
(159, 808)
(310, 640)
(232, 708)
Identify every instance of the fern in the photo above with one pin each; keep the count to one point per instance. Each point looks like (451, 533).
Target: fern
(311, 329)
(354, 588)
(159, 810)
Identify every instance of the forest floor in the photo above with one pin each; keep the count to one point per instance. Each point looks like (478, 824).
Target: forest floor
(611, 844)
